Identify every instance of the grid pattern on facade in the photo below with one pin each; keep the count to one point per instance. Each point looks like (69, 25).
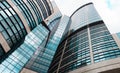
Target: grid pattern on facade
(11, 26)
(36, 10)
(42, 8)
(77, 50)
(47, 6)
(26, 13)
(16, 61)
(42, 62)
(103, 45)
(74, 55)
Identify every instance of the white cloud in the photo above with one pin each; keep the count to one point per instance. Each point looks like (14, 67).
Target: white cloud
(113, 3)
(109, 11)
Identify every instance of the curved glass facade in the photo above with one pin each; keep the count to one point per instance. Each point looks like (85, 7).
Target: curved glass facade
(75, 51)
(72, 53)
(47, 6)
(90, 43)
(44, 12)
(11, 26)
(84, 15)
(26, 13)
(103, 45)
(22, 34)
(36, 10)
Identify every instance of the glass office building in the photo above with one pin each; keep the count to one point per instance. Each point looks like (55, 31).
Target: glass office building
(36, 38)
(89, 47)
(11, 26)
(17, 19)
(23, 32)
(34, 41)
(40, 62)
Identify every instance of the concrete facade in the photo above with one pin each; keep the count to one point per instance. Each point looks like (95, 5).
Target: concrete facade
(25, 70)
(4, 43)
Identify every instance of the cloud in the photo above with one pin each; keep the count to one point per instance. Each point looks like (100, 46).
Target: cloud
(114, 9)
(113, 4)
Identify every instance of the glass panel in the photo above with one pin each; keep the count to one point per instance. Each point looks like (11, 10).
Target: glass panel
(3, 14)
(6, 4)
(9, 14)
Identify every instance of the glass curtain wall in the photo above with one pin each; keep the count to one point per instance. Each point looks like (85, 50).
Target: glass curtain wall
(11, 25)
(17, 60)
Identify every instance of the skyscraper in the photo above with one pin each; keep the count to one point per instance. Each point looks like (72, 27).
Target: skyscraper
(40, 62)
(18, 18)
(34, 33)
(89, 47)
(43, 26)
(23, 32)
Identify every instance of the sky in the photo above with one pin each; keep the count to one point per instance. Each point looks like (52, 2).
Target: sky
(109, 10)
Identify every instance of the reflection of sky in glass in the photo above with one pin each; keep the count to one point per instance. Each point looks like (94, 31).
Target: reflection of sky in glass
(85, 15)
(53, 44)
(42, 63)
(15, 62)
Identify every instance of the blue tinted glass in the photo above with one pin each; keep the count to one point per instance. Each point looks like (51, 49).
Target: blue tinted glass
(21, 55)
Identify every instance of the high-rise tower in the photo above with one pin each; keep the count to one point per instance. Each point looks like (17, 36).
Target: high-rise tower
(31, 31)
(89, 47)
(22, 32)
(18, 18)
